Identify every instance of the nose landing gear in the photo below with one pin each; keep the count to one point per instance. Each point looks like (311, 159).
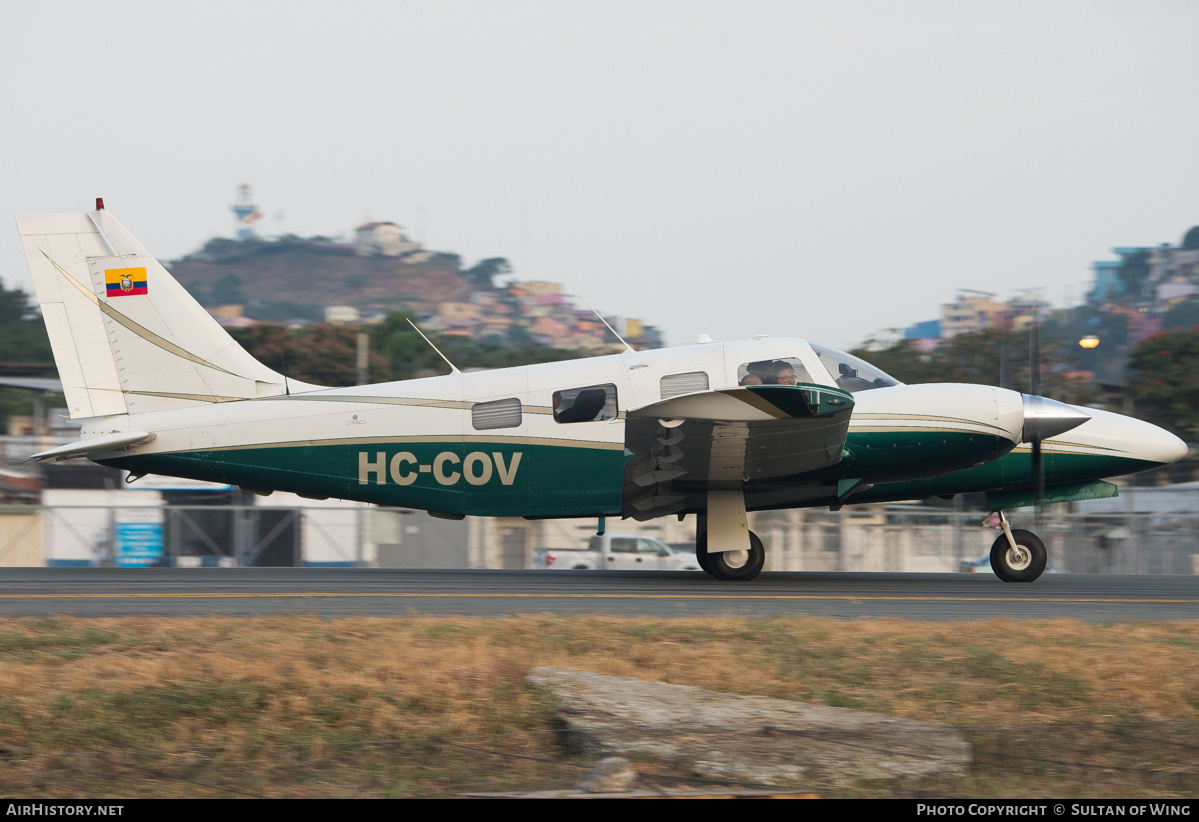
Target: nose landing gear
(1017, 555)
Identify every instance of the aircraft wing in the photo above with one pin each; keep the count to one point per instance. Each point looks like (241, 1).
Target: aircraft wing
(686, 445)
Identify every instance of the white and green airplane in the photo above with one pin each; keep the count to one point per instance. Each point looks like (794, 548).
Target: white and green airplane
(712, 429)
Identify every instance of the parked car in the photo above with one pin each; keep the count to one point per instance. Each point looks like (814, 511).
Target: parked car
(616, 552)
(683, 549)
(982, 565)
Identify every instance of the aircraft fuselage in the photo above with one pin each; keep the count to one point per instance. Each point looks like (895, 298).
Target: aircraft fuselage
(414, 443)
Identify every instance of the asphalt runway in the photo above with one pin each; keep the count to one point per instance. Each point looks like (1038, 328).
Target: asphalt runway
(335, 592)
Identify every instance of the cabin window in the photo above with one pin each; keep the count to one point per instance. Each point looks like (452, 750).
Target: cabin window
(784, 371)
(587, 404)
(496, 414)
(675, 384)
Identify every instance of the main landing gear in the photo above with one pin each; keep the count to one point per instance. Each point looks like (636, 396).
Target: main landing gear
(1017, 555)
(724, 546)
(739, 564)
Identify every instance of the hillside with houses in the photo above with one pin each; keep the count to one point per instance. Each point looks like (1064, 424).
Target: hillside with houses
(298, 280)
(1145, 291)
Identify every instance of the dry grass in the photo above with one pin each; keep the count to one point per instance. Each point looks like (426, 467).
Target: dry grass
(420, 706)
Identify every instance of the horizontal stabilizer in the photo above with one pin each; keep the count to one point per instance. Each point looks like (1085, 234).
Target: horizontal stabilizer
(97, 445)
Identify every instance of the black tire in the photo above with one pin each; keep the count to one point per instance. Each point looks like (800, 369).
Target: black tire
(701, 554)
(1022, 565)
(731, 565)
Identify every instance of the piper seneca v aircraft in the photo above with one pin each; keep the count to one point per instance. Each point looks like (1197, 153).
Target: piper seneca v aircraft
(714, 430)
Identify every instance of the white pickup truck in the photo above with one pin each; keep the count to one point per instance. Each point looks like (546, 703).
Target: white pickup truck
(615, 552)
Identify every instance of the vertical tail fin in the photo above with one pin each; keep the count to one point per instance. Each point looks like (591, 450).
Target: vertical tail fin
(127, 337)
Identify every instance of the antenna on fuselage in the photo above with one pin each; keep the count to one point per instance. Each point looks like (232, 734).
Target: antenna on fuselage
(283, 364)
(453, 368)
(627, 347)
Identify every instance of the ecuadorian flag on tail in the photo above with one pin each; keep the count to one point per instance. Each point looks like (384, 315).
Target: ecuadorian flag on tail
(125, 282)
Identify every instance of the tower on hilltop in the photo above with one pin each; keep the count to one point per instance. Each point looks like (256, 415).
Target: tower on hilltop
(245, 213)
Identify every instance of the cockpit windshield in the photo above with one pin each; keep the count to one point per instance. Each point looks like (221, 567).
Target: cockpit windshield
(851, 373)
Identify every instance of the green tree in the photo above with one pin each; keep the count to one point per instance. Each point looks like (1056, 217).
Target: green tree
(1164, 374)
(901, 359)
(1134, 270)
(484, 272)
(403, 351)
(1191, 238)
(976, 357)
(1182, 316)
(1111, 328)
(228, 291)
(23, 336)
(408, 356)
(318, 353)
(282, 311)
(23, 342)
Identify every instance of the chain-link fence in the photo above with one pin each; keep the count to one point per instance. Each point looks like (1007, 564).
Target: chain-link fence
(897, 538)
(184, 536)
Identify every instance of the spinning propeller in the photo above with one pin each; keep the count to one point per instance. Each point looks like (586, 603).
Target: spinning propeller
(1043, 418)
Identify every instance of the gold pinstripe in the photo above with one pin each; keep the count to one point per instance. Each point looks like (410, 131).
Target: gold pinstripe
(883, 416)
(441, 438)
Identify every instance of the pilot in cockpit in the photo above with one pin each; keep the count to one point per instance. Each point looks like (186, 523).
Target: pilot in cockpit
(774, 372)
(781, 373)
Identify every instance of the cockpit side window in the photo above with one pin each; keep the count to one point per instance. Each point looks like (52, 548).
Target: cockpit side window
(851, 373)
(786, 371)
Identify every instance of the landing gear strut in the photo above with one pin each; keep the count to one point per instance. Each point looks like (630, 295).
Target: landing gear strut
(736, 552)
(1017, 555)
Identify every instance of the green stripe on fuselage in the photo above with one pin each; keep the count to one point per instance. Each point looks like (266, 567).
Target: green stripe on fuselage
(476, 478)
(890, 456)
(1011, 471)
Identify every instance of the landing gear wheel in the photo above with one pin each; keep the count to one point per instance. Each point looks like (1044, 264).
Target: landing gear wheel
(1024, 563)
(731, 565)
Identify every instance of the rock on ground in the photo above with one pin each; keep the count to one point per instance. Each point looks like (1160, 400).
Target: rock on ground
(611, 775)
(748, 739)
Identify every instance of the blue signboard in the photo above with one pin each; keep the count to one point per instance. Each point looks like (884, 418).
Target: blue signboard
(138, 544)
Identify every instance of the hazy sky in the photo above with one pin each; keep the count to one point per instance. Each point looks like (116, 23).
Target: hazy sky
(818, 169)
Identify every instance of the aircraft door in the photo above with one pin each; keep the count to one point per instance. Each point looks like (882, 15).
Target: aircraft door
(574, 435)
